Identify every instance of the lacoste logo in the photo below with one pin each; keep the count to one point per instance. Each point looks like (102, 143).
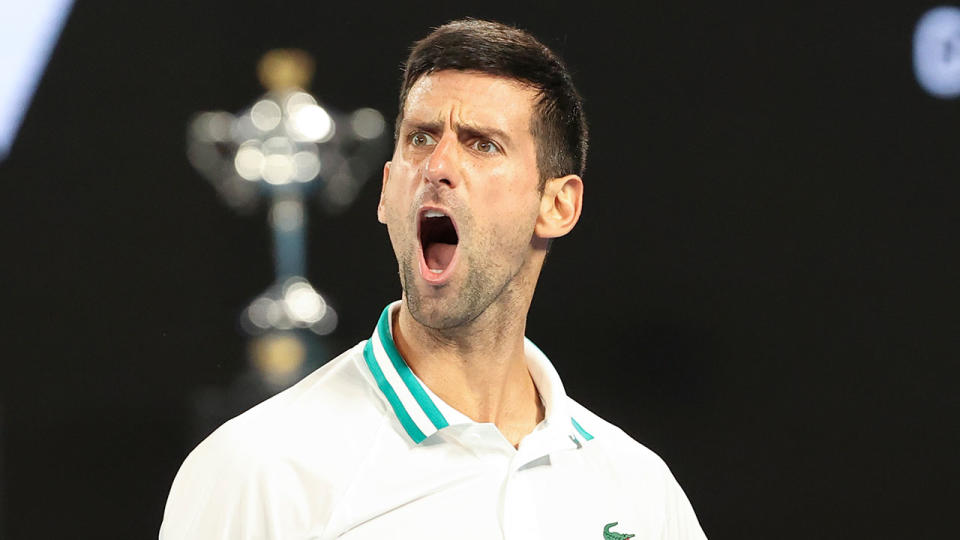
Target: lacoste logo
(608, 535)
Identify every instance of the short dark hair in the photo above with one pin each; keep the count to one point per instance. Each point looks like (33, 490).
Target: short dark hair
(559, 125)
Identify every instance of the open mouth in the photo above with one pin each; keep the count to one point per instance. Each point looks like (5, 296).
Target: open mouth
(438, 240)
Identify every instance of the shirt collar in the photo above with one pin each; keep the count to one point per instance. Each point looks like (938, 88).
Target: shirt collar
(421, 413)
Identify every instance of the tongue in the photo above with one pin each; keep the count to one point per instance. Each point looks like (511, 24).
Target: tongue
(438, 255)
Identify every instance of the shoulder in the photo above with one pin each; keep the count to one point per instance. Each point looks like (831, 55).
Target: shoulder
(633, 464)
(294, 453)
(614, 441)
(332, 404)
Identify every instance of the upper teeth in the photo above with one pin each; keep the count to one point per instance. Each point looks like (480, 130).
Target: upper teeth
(433, 213)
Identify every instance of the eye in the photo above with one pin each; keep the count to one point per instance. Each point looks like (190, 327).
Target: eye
(486, 147)
(421, 139)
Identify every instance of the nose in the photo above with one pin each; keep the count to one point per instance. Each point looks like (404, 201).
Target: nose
(440, 167)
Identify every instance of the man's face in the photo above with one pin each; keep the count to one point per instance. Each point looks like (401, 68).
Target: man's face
(460, 197)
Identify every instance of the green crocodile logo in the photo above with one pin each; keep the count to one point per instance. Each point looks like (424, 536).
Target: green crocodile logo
(608, 535)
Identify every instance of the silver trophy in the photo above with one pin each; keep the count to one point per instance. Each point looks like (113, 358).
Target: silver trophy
(287, 148)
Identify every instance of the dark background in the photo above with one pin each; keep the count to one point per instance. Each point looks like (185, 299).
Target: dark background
(761, 289)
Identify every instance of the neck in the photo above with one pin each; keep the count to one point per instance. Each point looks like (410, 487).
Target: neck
(480, 370)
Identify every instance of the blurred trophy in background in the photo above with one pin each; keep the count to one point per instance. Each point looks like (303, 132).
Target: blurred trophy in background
(285, 149)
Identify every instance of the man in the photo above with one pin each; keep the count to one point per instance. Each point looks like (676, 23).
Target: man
(447, 422)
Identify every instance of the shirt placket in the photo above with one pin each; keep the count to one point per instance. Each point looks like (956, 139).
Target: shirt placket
(519, 508)
(519, 499)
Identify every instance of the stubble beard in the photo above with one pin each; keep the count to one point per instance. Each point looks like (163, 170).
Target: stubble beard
(455, 309)
(446, 308)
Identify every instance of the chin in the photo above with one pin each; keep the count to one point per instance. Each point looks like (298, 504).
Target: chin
(454, 304)
(446, 309)
(436, 312)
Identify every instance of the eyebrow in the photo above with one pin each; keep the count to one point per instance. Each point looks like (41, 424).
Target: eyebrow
(485, 132)
(462, 128)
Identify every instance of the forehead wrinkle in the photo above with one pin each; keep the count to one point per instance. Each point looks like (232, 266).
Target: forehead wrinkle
(417, 108)
(459, 126)
(462, 124)
(465, 117)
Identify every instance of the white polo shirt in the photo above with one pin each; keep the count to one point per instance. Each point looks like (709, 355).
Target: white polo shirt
(361, 448)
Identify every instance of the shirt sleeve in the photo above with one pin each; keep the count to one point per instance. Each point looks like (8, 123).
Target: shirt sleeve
(232, 492)
(681, 522)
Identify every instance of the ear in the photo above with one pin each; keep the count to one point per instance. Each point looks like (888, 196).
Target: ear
(560, 206)
(381, 216)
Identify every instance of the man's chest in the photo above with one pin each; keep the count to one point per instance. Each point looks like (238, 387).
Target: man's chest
(556, 498)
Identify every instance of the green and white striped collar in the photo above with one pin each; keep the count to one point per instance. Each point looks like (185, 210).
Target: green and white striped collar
(422, 413)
